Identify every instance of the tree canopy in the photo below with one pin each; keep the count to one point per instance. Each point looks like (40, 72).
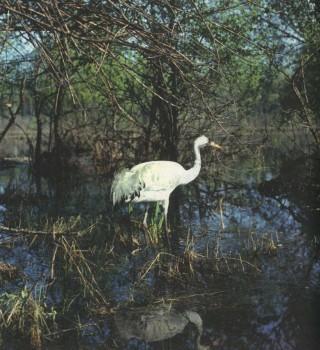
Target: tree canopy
(156, 71)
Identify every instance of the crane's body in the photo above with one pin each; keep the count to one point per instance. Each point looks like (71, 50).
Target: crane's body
(154, 181)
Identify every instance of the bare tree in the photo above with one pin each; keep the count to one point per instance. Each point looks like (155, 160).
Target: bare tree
(126, 33)
(161, 69)
(13, 113)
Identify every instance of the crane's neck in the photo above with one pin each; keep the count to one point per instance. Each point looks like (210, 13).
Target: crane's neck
(195, 318)
(197, 161)
(193, 172)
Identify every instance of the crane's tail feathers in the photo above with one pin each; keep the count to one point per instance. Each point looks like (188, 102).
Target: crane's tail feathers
(125, 187)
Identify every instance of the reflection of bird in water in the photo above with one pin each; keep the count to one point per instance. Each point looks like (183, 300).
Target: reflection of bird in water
(154, 181)
(158, 323)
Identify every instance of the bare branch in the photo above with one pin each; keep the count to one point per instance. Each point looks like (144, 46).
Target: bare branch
(13, 114)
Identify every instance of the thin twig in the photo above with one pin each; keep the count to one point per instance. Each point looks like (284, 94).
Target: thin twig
(35, 232)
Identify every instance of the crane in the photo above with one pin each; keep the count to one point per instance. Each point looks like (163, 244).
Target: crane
(157, 322)
(155, 180)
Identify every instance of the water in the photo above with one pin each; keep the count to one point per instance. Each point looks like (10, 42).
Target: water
(246, 261)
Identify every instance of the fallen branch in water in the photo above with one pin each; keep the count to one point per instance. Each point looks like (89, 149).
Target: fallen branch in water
(45, 233)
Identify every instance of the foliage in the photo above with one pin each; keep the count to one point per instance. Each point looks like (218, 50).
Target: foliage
(101, 71)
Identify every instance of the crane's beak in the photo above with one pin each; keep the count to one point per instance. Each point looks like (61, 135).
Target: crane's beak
(215, 145)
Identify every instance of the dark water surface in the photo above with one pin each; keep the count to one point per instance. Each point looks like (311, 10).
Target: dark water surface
(243, 256)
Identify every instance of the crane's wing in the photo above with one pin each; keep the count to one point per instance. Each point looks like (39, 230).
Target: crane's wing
(158, 175)
(149, 176)
(126, 185)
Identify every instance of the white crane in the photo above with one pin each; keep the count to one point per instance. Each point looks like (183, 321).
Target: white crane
(154, 181)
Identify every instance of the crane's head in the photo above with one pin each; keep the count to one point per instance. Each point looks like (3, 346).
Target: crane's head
(202, 141)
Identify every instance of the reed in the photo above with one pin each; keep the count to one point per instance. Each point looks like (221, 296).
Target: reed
(24, 315)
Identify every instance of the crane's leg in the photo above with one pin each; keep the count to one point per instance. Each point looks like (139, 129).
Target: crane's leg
(145, 224)
(165, 205)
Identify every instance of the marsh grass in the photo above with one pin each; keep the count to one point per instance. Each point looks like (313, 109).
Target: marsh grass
(8, 272)
(76, 256)
(266, 243)
(23, 315)
(194, 268)
(154, 232)
(83, 251)
(156, 224)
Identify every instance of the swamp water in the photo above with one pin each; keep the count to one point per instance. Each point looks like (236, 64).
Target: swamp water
(242, 261)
